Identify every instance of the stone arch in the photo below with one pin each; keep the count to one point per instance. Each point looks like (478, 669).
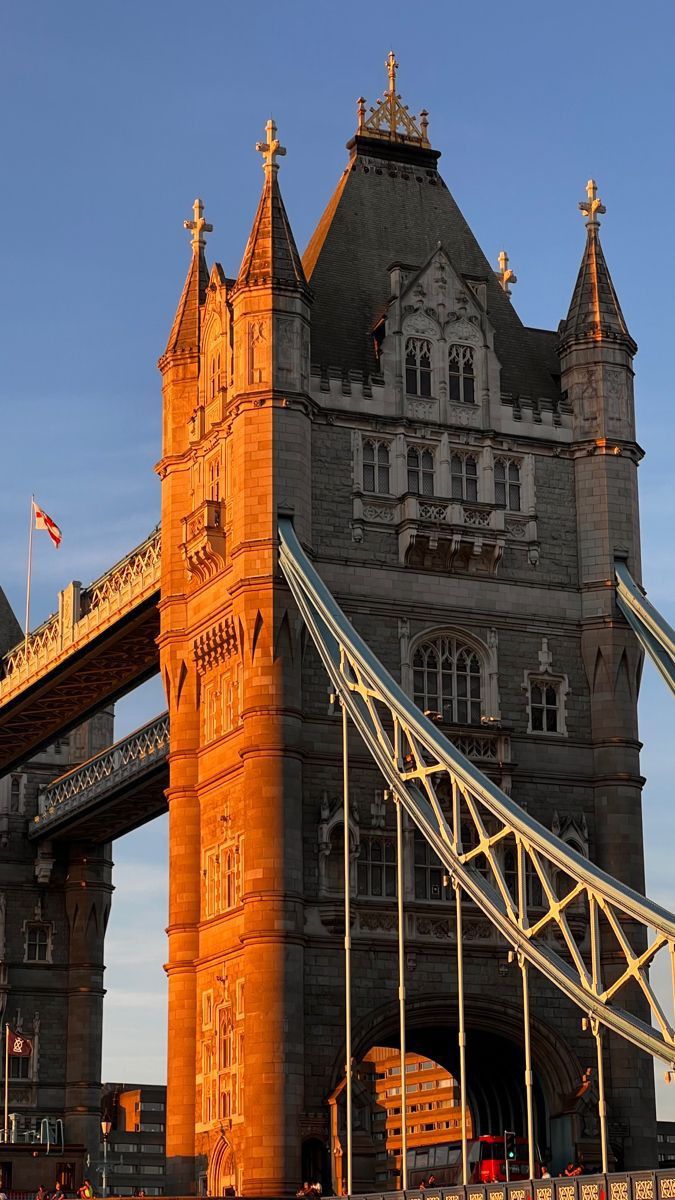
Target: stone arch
(494, 1035)
(222, 1168)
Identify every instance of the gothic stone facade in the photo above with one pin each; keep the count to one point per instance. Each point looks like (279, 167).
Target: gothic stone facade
(463, 484)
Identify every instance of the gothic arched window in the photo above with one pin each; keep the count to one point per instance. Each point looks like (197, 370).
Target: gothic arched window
(464, 477)
(448, 679)
(507, 484)
(214, 381)
(376, 467)
(461, 381)
(418, 366)
(430, 873)
(420, 471)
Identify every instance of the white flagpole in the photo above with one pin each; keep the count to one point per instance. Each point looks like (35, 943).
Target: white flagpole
(30, 568)
(6, 1124)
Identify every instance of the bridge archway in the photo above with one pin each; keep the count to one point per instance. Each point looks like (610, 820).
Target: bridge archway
(495, 1061)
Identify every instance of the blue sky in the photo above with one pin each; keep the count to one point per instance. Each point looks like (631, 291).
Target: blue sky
(116, 114)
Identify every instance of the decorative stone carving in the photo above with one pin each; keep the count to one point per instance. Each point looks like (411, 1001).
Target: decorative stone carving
(418, 324)
(216, 645)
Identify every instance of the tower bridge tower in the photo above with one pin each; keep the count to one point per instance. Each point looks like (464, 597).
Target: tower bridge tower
(463, 483)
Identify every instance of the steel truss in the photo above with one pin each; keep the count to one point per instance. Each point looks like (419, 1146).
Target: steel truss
(558, 911)
(651, 629)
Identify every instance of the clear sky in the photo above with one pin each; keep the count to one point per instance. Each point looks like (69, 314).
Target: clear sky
(116, 114)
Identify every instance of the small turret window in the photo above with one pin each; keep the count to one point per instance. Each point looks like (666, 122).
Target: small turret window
(420, 471)
(418, 367)
(214, 385)
(545, 706)
(376, 467)
(461, 380)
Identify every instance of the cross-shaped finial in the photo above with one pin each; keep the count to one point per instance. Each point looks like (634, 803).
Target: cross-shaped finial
(593, 205)
(391, 65)
(271, 148)
(198, 226)
(505, 275)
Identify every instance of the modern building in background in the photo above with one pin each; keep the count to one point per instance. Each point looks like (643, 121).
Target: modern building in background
(135, 1158)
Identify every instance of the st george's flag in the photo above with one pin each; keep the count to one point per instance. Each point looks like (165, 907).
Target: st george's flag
(42, 521)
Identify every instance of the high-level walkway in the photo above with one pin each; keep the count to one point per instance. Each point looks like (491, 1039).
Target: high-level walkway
(99, 644)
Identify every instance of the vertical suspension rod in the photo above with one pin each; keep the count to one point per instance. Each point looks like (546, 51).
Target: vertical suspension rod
(348, 945)
(461, 1030)
(602, 1105)
(529, 1079)
(401, 992)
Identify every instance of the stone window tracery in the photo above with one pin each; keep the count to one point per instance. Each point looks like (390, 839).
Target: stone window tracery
(222, 874)
(214, 377)
(376, 867)
(420, 464)
(376, 467)
(461, 378)
(418, 366)
(213, 477)
(429, 872)
(508, 484)
(448, 679)
(464, 477)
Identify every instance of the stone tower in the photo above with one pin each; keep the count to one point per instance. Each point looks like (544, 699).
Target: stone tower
(236, 449)
(464, 507)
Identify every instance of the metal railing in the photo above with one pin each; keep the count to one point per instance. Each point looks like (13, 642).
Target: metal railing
(82, 614)
(122, 763)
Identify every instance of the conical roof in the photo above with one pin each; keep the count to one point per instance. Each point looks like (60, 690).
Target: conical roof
(186, 323)
(391, 205)
(595, 311)
(271, 255)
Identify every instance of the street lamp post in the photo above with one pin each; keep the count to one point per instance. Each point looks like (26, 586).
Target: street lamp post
(106, 1126)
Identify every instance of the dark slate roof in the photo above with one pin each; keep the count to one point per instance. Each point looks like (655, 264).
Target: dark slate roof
(271, 255)
(391, 205)
(595, 311)
(185, 329)
(10, 630)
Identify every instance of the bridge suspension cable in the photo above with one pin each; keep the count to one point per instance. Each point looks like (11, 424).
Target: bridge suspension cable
(560, 912)
(651, 629)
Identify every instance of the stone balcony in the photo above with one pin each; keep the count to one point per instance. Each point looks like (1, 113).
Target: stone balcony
(447, 534)
(203, 544)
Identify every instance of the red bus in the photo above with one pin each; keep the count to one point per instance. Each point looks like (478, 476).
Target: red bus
(441, 1166)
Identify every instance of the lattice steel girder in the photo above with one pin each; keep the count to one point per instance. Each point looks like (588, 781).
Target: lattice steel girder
(651, 629)
(559, 911)
(123, 655)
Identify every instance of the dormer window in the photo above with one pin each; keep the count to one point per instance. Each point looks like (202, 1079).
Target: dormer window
(420, 471)
(376, 467)
(215, 375)
(418, 366)
(461, 382)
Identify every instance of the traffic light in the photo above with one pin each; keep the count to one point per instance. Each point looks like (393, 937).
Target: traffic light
(509, 1145)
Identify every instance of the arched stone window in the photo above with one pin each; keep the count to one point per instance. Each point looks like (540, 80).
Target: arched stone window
(507, 484)
(418, 366)
(420, 471)
(464, 477)
(461, 379)
(376, 467)
(448, 679)
(214, 375)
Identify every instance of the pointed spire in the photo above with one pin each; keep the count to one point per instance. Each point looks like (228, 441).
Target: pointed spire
(271, 255)
(186, 323)
(505, 275)
(595, 312)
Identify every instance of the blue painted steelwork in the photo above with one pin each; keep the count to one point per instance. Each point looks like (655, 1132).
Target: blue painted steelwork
(651, 629)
